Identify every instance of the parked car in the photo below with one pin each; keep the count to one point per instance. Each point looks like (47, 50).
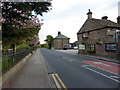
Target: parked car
(75, 48)
(10, 49)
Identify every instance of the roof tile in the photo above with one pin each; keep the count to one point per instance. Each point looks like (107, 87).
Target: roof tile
(92, 24)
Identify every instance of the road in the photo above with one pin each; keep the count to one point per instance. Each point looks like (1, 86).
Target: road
(78, 71)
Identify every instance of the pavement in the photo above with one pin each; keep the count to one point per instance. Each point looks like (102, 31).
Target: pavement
(32, 75)
(104, 59)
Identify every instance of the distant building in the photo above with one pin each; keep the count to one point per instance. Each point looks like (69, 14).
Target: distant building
(60, 42)
(99, 37)
(74, 44)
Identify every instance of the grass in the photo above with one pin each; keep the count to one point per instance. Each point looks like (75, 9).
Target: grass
(0, 67)
(6, 63)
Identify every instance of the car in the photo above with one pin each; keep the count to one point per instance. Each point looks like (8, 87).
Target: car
(10, 50)
(75, 48)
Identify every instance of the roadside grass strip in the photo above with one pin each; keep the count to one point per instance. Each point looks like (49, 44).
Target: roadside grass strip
(7, 63)
(58, 82)
(0, 67)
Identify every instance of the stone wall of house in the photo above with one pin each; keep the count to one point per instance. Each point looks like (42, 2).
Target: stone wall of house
(94, 37)
(59, 43)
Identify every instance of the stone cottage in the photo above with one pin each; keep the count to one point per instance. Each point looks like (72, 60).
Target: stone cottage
(99, 37)
(60, 42)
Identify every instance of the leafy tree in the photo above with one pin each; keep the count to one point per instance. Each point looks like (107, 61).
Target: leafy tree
(44, 45)
(48, 40)
(19, 25)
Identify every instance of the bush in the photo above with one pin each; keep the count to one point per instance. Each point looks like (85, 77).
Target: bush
(98, 43)
(91, 51)
(22, 46)
(44, 45)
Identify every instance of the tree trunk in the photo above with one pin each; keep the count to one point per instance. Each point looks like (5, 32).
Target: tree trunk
(14, 47)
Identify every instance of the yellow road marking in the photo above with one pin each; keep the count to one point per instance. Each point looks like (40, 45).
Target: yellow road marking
(60, 81)
(56, 82)
(0, 27)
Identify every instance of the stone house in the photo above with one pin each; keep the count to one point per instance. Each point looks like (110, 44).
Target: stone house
(74, 44)
(99, 37)
(60, 42)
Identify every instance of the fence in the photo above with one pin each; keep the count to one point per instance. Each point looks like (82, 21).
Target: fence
(11, 59)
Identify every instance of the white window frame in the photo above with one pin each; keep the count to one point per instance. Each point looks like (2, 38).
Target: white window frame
(92, 46)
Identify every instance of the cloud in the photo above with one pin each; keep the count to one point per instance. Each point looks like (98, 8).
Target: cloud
(68, 16)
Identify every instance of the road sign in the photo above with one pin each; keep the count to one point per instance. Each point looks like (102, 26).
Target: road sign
(81, 47)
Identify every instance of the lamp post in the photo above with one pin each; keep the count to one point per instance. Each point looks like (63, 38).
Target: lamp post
(115, 38)
(117, 44)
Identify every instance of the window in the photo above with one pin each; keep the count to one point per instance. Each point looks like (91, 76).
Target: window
(92, 47)
(85, 35)
(118, 33)
(110, 47)
(110, 33)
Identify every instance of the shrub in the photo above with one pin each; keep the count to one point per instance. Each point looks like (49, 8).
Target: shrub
(22, 46)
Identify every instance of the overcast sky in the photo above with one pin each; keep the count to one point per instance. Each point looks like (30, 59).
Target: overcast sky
(68, 16)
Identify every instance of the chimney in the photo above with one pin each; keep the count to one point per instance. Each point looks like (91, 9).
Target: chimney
(118, 19)
(89, 14)
(104, 18)
(59, 33)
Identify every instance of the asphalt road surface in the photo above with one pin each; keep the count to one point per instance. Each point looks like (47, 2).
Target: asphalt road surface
(78, 71)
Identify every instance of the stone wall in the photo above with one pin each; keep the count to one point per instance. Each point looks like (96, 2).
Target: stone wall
(94, 37)
(59, 43)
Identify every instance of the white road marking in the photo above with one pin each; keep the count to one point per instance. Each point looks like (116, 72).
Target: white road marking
(68, 59)
(114, 76)
(104, 70)
(101, 63)
(101, 73)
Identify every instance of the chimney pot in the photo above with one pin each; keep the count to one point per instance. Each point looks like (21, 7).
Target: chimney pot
(59, 33)
(118, 19)
(89, 14)
(104, 18)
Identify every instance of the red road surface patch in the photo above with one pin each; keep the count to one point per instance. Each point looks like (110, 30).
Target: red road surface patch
(108, 66)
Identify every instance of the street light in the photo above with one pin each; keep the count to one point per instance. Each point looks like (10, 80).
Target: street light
(117, 33)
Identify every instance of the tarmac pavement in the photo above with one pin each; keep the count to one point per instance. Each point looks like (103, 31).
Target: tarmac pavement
(32, 75)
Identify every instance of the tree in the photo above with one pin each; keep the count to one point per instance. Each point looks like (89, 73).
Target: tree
(48, 40)
(45, 45)
(19, 25)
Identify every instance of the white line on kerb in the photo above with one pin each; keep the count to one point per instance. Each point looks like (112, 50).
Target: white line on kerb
(114, 76)
(100, 73)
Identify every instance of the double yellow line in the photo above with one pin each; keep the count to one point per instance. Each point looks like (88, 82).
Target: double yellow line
(58, 82)
(0, 27)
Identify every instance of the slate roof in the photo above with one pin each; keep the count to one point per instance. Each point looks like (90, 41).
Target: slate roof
(61, 36)
(93, 24)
